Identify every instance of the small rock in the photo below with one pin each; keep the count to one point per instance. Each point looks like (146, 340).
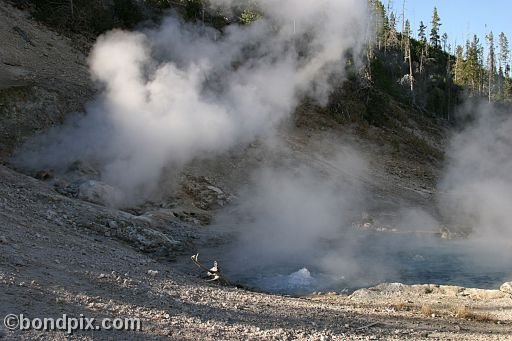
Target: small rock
(153, 273)
(215, 189)
(44, 175)
(101, 276)
(113, 224)
(3, 240)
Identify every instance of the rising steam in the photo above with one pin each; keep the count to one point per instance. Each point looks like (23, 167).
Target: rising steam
(476, 190)
(184, 91)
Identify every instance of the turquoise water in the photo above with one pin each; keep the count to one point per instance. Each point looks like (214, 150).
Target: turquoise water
(372, 260)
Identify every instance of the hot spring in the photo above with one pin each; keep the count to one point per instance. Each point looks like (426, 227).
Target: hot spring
(374, 259)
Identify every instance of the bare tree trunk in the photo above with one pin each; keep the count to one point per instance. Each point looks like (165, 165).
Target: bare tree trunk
(411, 79)
(404, 46)
(490, 86)
(421, 59)
(72, 6)
(449, 84)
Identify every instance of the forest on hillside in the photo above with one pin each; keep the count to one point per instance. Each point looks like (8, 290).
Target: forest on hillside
(430, 55)
(416, 66)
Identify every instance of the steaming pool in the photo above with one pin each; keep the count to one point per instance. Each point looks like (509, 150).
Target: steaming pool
(373, 260)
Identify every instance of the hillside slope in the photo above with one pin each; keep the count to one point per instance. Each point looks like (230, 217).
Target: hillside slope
(43, 77)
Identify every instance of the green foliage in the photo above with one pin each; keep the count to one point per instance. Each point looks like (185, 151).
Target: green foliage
(382, 77)
(127, 12)
(93, 16)
(434, 32)
(159, 4)
(422, 33)
(194, 9)
(248, 16)
(376, 108)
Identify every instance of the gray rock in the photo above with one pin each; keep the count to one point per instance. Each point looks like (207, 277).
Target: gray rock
(153, 273)
(99, 193)
(113, 224)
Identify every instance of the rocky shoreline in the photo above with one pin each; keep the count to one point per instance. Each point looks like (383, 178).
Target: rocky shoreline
(50, 266)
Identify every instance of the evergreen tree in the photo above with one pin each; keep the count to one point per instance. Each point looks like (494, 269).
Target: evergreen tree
(423, 43)
(504, 53)
(503, 67)
(434, 32)
(422, 36)
(392, 39)
(444, 41)
(381, 22)
(472, 66)
(407, 29)
(491, 64)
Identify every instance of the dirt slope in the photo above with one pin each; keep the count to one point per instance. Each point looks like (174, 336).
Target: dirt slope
(43, 77)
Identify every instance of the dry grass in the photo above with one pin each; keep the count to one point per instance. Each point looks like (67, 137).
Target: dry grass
(427, 310)
(467, 313)
(402, 306)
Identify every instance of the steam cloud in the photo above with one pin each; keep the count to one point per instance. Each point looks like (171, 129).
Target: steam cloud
(476, 190)
(289, 214)
(185, 91)
(300, 218)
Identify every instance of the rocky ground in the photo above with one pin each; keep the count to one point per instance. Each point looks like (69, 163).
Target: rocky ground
(62, 251)
(64, 256)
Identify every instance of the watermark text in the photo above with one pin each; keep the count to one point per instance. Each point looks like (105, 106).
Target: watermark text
(70, 324)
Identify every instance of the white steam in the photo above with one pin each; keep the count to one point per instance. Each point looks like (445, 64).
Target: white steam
(185, 91)
(300, 217)
(477, 187)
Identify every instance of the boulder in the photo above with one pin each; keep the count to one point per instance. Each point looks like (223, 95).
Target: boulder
(99, 193)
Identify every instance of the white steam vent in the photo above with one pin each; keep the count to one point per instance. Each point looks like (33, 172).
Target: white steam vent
(183, 91)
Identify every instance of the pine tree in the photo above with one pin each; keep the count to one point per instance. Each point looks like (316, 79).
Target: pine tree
(381, 22)
(503, 67)
(434, 32)
(422, 37)
(392, 39)
(472, 66)
(407, 29)
(504, 53)
(491, 64)
(403, 27)
(444, 41)
(423, 43)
